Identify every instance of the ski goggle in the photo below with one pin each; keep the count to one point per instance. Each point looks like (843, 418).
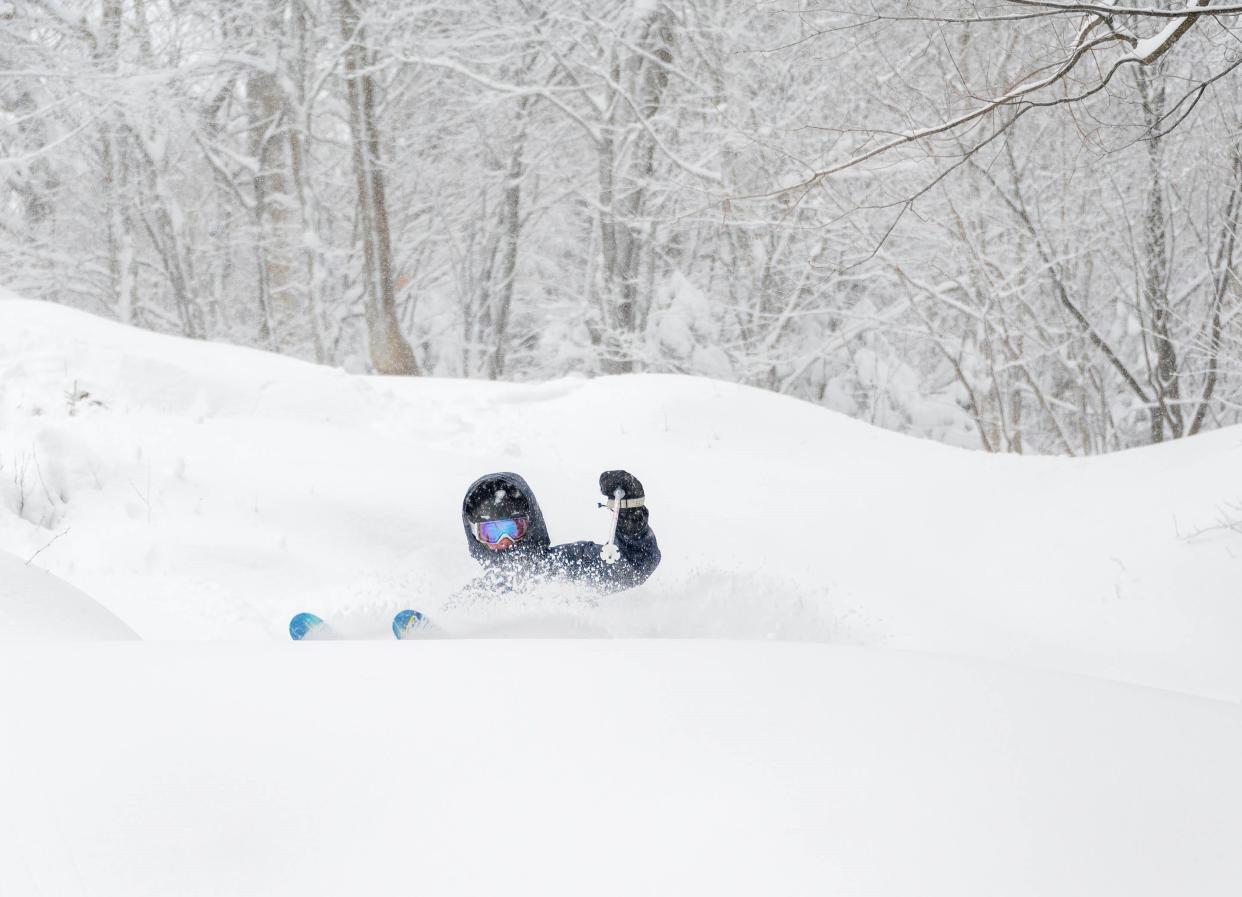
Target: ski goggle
(492, 533)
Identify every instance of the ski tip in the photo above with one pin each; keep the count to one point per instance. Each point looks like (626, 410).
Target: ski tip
(302, 625)
(407, 622)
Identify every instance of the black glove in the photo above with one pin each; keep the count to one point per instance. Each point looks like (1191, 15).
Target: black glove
(631, 521)
(612, 480)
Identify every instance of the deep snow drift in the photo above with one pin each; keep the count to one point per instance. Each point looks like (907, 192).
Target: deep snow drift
(207, 492)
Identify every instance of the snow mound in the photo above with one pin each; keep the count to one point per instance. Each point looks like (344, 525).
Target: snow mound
(36, 606)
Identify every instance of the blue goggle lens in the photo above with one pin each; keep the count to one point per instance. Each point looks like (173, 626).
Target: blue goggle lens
(491, 532)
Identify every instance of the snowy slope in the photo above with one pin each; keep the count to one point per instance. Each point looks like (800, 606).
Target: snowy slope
(207, 492)
(211, 491)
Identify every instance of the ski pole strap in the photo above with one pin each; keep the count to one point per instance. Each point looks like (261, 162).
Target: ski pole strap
(625, 504)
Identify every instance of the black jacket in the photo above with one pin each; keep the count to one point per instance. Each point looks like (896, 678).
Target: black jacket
(535, 558)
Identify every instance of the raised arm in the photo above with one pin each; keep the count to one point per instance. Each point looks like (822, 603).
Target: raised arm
(639, 553)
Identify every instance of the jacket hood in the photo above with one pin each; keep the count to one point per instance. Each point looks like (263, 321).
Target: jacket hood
(533, 545)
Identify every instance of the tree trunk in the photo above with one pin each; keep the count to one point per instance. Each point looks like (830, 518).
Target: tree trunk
(264, 110)
(1166, 411)
(308, 207)
(511, 228)
(389, 350)
(122, 257)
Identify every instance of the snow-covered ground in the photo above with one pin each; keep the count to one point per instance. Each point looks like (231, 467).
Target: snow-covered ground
(931, 671)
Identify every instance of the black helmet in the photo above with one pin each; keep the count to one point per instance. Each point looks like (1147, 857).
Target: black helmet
(499, 496)
(495, 498)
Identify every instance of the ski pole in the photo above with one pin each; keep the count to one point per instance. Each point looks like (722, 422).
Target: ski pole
(609, 551)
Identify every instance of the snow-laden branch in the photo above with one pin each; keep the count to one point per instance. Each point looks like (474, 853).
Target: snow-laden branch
(1143, 51)
(685, 165)
(1149, 49)
(19, 161)
(548, 95)
(506, 88)
(909, 137)
(1109, 9)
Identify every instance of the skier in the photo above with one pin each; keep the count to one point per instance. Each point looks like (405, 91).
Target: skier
(507, 536)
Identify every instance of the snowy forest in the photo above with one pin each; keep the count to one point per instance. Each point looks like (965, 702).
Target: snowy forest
(1009, 225)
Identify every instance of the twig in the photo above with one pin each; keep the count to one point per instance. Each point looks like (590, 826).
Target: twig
(145, 499)
(1230, 519)
(47, 546)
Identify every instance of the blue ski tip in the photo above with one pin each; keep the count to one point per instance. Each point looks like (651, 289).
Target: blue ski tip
(301, 625)
(407, 622)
